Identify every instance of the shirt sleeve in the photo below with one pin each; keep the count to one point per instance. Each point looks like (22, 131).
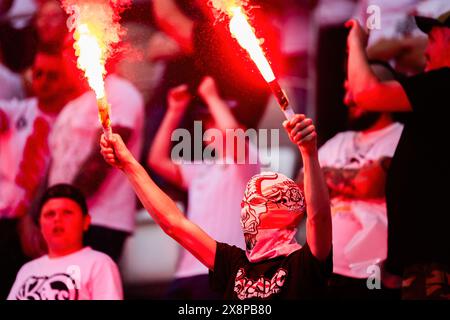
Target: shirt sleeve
(320, 270)
(106, 281)
(13, 293)
(428, 93)
(226, 263)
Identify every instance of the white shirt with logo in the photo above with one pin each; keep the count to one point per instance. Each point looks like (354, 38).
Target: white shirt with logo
(359, 225)
(84, 275)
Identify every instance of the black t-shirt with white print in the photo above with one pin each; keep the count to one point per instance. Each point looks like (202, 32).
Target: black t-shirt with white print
(297, 276)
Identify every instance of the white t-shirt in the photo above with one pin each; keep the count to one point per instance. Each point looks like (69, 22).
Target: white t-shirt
(22, 116)
(11, 84)
(333, 12)
(73, 137)
(84, 275)
(215, 193)
(359, 226)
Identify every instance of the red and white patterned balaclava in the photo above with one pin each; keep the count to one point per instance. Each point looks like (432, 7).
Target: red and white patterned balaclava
(272, 208)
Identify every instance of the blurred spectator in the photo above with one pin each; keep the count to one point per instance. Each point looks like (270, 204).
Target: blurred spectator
(17, 34)
(70, 271)
(51, 26)
(204, 183)
(201, 46)
(418, 237)
(207, 48)
(24, 129)
(12, 86)
(355, 165)
(393, 33)
(138, 61)
(328, 66)
(294, 21)
(76, 160)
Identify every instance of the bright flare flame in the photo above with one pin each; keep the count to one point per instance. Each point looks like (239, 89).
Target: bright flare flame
(243, 32)
(91, 58)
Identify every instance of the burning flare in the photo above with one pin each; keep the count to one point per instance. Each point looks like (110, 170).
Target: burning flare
(243, 32)
(91, 59)
(96, 31)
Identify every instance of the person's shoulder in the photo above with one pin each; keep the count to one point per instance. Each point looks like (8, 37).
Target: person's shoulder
(426, 76)
(397, 127)
(96, 255)
(121, 89)
(442, 71)
(337, 139)
(340, 136)
(121, 85)
(230, 248)
(33, 264)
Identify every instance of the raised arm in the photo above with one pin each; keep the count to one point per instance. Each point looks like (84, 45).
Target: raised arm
(159, 156)
(318, 222)
(368, 92)
(173, 22)
(163, 210)
(216, 105)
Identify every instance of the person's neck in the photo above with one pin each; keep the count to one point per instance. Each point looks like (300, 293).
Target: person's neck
(52, 107)
(384, 121)
(61, 252)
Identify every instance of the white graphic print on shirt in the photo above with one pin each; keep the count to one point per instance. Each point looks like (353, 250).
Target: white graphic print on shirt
(246, 288)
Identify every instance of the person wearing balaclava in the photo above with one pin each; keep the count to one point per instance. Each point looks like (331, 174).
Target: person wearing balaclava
(274, 265)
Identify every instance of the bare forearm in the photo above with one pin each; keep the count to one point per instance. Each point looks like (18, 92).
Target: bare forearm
(167, 215)
(360, 75)
(221, 113)
(318, 208)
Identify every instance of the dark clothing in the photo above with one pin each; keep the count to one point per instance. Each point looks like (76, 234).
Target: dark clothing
(346, 288)
(416, 191)
(426, 281)
(297, 276)
(12, 256)
(329, 66)
(192, 288)
(106, 240)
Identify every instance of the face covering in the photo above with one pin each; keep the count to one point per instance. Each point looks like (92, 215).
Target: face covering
(272, 208)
